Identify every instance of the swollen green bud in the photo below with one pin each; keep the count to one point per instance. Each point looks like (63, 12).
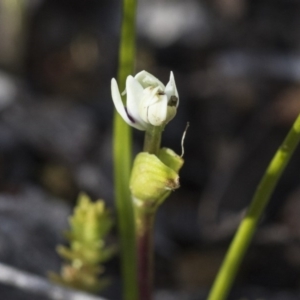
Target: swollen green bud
(153, 178)
(171, 159)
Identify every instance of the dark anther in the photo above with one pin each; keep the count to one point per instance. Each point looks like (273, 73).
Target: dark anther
(161, 93)
(173, 101)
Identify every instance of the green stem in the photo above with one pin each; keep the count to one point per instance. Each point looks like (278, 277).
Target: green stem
(245, 232)
(123, 158)
(152, 139)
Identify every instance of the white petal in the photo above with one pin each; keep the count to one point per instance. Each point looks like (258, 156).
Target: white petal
(146, 79)
(134, 97)
(171, 89)
(120, 106)
(138, 126)
(149, 97)
(143, 106)
(118, 100)
(157, 113)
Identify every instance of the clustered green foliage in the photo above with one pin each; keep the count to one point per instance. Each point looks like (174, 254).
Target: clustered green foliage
(87, 251)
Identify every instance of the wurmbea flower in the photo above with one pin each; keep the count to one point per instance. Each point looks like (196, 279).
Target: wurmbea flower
(148, 102)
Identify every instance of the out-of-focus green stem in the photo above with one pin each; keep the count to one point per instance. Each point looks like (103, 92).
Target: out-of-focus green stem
(242, 239)
(122, 141)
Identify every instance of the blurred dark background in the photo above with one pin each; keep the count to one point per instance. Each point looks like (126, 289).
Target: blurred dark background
(237, 69)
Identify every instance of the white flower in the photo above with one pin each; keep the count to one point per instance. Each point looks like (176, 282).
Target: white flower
(149, 102)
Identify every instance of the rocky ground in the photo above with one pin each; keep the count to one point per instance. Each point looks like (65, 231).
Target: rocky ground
(237, 67)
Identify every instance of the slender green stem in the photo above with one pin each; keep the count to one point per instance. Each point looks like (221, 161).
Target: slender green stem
(242, 239)
(122, 158)
(152, 139)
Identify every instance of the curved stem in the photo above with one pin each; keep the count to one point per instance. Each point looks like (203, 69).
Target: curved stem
(122, 141)
(242, 239)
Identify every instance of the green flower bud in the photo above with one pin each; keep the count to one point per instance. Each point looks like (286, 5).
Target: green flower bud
(153, 178)
(171, 159)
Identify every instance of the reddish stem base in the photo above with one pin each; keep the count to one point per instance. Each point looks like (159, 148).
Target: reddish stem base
(145, 254)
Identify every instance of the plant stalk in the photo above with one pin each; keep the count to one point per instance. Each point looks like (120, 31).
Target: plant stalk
(245, 232)
(144, 220)
(122, 141)
(144, 236)
(153, 139)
